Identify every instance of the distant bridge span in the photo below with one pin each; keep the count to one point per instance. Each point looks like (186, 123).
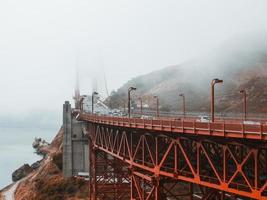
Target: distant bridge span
(160, 159)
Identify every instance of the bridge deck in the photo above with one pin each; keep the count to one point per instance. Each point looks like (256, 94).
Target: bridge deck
(227, 129)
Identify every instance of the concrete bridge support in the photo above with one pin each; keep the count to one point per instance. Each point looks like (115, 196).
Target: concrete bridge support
(75, 144)
(67, 143)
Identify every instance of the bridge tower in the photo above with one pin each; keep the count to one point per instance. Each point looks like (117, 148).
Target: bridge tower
(77, 95)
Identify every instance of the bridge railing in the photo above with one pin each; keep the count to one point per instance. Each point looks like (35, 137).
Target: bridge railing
(219, 116)
(221, 128)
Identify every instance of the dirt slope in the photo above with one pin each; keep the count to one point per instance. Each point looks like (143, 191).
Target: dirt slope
(47, 183)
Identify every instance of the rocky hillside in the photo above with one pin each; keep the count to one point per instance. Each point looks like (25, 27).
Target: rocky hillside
(47, 182)
(241, 63)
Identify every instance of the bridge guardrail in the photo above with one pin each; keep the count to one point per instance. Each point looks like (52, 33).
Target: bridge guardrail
(223, 128)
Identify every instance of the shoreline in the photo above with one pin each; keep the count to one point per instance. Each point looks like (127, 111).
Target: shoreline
(19, 151)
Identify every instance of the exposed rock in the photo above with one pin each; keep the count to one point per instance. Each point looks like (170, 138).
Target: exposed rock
(36, 165)
(22, 172)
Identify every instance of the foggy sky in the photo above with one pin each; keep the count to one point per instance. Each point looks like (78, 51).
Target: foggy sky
(42, 42)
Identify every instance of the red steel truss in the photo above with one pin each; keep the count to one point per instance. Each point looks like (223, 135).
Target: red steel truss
(109, 178)
(154, 162)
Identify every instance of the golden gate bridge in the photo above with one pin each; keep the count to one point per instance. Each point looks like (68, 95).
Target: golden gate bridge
(166, 158)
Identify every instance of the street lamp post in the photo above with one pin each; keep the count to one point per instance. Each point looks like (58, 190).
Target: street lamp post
(157, 105)
(94, 93)
(213, 82)
(81, 102)
(141, 106)
(183, 96)
(124, 107)
(244, 92)
(130, 89)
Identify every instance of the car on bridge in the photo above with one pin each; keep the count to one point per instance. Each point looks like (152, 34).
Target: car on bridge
(251, 123)
(204, 118)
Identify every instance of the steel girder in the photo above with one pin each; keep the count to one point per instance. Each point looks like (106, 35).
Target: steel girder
(109, 178)
(161, 164)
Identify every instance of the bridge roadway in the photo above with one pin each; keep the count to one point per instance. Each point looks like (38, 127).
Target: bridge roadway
(222, 128)
(220, 160)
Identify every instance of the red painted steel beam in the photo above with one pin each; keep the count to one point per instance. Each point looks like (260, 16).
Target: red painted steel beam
(109, 178)
(148, 154)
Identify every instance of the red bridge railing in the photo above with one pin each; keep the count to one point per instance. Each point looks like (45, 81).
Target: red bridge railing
(228, 129)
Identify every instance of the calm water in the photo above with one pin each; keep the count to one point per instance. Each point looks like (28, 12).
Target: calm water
(16, 149)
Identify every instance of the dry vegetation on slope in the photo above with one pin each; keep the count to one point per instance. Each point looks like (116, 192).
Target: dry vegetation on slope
(47, 183)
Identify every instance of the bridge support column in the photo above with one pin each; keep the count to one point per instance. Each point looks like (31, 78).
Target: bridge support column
(92, 171)
(109, 177)
(75, 144)
(191, 191)
(67, 140)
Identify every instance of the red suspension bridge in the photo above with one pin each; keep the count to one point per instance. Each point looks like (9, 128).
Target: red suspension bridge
(165, 159)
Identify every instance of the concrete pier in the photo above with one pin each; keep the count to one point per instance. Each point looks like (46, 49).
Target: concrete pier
(67, 141)
(75, 144)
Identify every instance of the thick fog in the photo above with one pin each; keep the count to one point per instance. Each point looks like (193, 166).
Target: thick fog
(43, 42)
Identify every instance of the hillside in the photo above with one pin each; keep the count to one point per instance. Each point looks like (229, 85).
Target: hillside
(241, 63)
(47, 182)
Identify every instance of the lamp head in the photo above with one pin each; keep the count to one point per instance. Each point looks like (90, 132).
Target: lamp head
(132, 88)
(242, 91)
(216, 80)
